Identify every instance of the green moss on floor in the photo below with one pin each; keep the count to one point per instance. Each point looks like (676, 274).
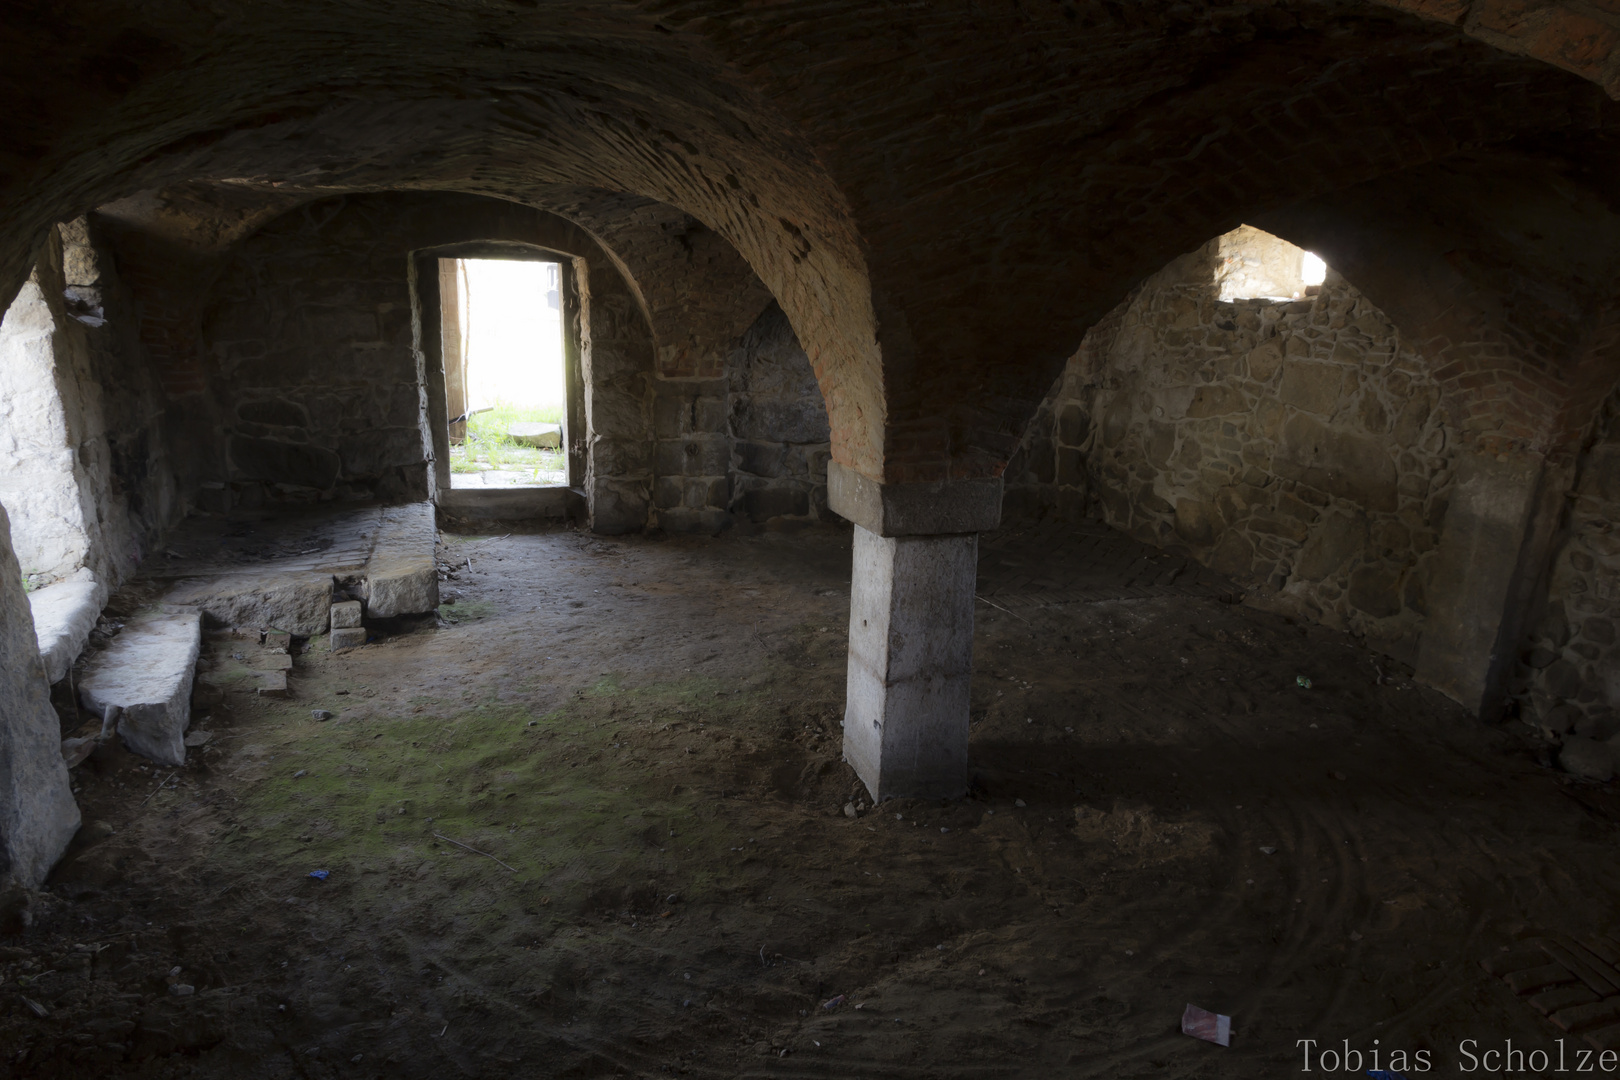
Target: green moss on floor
(465, 610)
(569, 800)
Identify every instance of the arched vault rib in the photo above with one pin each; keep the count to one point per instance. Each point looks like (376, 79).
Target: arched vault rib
(592, 97)
(942, 203)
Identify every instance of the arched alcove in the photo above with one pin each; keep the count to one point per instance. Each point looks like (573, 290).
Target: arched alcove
(1296, 442)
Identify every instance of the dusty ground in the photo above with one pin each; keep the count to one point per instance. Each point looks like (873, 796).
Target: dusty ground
(645, 733)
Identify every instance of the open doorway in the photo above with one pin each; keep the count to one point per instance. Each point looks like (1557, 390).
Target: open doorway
(505, 388)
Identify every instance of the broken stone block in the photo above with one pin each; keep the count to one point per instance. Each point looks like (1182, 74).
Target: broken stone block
(147, 671)
(297, 601)
(273, 662)
(273, 684)
(346, 615)
(278, 641)
(348, 638)
(74, 751)
(544, 435)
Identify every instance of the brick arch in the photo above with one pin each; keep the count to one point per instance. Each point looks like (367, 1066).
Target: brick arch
(1580, 39)
(599, 99)
(1137, 202)
(941, 203)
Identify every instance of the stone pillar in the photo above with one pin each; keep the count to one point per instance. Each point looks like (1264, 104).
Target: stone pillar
(911, 628)
(910, 663)
(37, 813)
(1493, 548)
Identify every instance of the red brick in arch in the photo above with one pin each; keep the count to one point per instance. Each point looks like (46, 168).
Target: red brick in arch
(1593, 377)
(1266, 133)
(991, 177)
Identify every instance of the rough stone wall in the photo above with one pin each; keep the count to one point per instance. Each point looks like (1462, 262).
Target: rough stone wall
(118, 418)
(748, 448)
(692, 455)
(1297, 444)
(310, 333)
(96, 409)
(706, 418)
(616, 367)
(83, 466)
(838, 181)
(38, 481)
(780, 438)
(1568, 676)
(309, 329)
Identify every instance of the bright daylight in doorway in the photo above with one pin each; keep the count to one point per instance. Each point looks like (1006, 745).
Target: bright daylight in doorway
(503, 350)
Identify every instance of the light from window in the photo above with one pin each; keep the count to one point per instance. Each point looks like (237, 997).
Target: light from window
(1312, 270)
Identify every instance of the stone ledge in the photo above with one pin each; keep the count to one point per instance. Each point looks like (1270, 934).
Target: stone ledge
(928, 508)
(64, 614)
(513, 504)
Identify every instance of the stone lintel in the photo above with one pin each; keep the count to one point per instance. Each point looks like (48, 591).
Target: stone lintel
(916, 508)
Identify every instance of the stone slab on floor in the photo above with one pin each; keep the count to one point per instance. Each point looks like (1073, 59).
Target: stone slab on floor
(401, 577)
(64, 614)
(544, 435)
(278, 569)
(147, 672)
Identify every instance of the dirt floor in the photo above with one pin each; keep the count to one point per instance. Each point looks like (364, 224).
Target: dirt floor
(640, 738)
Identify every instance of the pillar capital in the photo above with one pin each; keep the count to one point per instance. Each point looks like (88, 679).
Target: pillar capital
(914, 508)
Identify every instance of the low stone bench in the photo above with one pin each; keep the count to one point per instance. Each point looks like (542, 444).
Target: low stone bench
(147, 671)
(64, 614)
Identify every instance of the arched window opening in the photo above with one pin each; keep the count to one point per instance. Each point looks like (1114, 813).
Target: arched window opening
(1254, 265)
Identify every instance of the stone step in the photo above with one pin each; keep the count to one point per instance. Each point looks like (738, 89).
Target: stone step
(296, 602)
(269, 572)
(147, 672)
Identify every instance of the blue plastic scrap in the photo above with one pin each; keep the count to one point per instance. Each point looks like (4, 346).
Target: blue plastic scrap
(320, 875)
